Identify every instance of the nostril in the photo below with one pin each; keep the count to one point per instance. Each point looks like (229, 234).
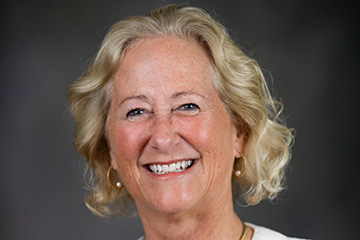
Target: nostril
(164, 135)
(163, 141)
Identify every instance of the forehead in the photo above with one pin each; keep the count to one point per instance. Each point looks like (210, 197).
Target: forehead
(165, 59)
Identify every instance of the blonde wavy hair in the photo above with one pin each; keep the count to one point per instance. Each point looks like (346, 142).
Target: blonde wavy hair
(239, 82)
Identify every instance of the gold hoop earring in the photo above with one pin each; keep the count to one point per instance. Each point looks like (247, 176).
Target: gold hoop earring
(118, 185)
(239, 173)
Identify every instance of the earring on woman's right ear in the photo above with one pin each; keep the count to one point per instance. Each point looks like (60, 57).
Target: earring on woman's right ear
(240, 172)
(118, 185)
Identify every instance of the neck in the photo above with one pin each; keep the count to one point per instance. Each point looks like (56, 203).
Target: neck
(212, 220)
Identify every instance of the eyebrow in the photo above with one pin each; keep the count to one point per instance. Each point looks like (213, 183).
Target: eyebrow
(181, 94)
(144, 98)
(135, 97)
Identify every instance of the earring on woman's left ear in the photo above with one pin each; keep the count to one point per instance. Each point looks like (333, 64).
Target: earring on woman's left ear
(118, 185)
(240, 172)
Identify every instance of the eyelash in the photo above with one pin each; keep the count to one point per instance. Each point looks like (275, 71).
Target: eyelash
(134, 112)
(185, 107)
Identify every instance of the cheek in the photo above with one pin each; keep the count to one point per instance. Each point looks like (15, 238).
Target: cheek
(212, 135)
(201, 131)
(127, 140)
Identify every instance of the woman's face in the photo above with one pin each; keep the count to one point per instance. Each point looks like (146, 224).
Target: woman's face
(171, 137)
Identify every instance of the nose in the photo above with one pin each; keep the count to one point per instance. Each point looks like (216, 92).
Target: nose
(164, 134)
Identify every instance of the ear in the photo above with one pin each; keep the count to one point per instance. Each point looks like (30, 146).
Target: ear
(112, 161)
(112, 157)
(239, 143)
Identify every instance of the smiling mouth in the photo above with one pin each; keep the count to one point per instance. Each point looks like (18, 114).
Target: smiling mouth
(170, 168)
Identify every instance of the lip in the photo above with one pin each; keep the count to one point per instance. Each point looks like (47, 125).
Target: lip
(171, 161)
(172, 174)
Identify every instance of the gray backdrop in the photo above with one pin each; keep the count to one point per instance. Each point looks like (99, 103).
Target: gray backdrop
(311, 49)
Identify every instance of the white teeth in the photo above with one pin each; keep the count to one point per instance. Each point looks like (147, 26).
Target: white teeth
(173, 167)
(182, 165)
(152, 167)
(165, 168)
(177, 166)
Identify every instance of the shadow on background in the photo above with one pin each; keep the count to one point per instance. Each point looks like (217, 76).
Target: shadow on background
(310, 49)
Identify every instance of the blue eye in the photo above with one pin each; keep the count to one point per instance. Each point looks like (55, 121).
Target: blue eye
(189, 107)
(135, 112)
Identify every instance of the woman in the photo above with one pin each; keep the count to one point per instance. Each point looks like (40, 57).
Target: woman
(173, 117)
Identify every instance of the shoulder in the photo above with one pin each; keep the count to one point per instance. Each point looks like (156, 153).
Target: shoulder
(262, 233)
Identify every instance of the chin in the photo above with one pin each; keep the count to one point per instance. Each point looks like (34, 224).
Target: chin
(172, 201)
